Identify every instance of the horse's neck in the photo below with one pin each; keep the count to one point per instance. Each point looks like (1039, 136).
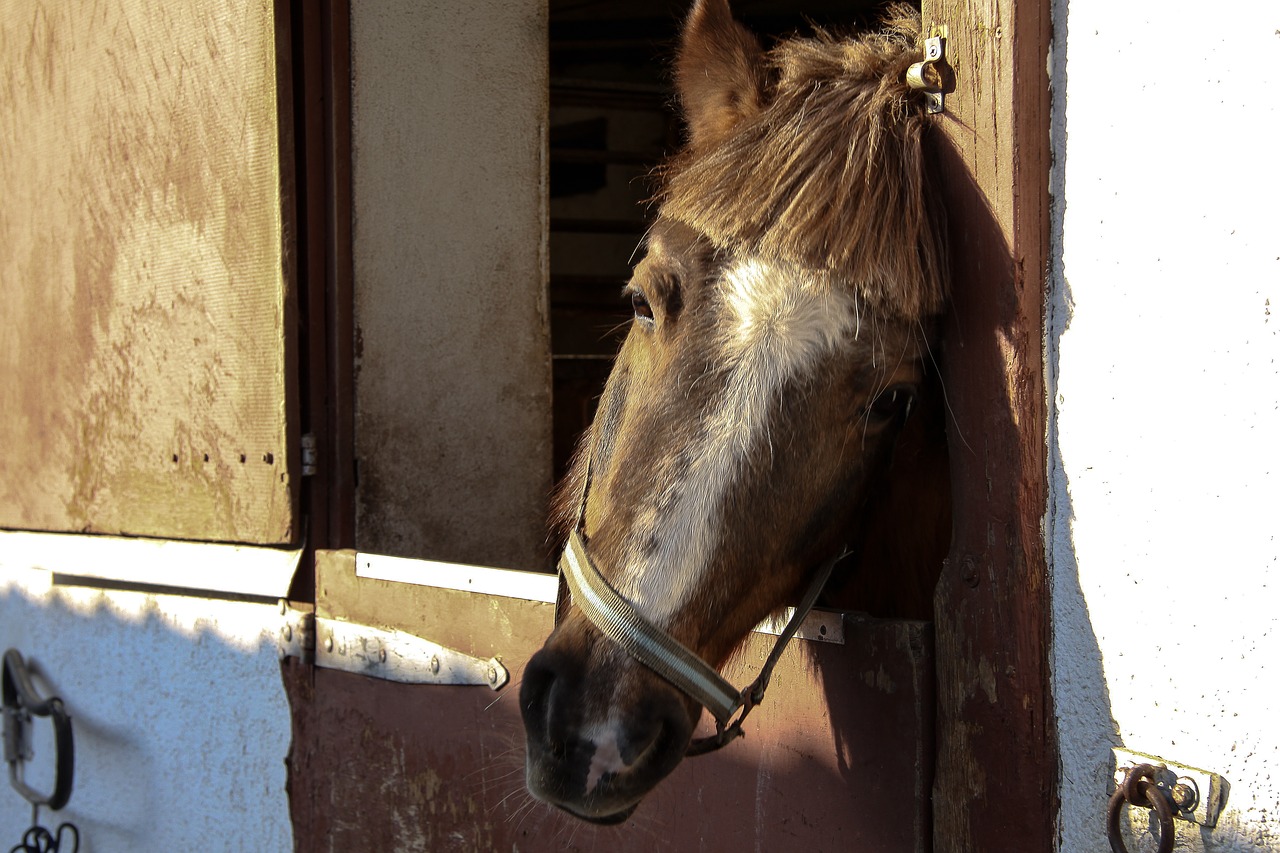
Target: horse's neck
(906, 530)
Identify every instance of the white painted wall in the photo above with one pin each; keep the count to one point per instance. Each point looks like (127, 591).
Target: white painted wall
(1162, 354)
(179, 715)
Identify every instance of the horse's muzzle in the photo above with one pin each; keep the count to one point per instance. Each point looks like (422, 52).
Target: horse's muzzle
(586, 752)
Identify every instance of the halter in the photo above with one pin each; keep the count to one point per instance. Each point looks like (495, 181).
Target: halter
(620, 621)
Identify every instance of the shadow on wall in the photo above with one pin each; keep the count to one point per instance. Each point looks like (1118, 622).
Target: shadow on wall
(181, 725)
(1085, 726)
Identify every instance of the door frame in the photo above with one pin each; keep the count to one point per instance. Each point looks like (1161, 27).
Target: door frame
(996, 780)
(320, 58)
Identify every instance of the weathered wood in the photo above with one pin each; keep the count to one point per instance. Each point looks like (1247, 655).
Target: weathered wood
(146, 347)
(838, 758)
(996, 754)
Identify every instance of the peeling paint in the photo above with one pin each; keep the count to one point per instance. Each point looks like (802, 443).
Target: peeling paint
(880, 680)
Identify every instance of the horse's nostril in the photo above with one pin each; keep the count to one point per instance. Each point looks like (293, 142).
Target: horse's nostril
(538, 703)
(670, 733)
(593, 761)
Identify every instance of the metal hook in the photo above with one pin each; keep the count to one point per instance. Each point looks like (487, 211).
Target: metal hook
(22, 700)
(1140, 788)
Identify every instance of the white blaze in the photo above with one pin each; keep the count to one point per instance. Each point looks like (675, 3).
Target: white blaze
(780, 321)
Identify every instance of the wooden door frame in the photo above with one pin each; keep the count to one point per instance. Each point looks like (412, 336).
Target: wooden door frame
(320, 35)
(996, 782)
(995, 786)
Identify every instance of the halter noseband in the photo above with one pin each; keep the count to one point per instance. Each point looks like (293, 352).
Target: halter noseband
(620, 621)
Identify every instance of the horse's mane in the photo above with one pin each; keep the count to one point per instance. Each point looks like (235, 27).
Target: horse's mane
(832, 173)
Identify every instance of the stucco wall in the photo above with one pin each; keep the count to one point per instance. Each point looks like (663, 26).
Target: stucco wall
(1162, 356)
(180, 719)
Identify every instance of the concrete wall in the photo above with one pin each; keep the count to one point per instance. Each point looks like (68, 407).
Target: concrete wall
(1162, 355)
(179, 716)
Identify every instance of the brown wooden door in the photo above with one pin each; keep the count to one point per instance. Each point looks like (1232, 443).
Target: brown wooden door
(838, 758)
(842, 756)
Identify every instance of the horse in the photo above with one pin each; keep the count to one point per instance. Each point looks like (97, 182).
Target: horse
(773, 405)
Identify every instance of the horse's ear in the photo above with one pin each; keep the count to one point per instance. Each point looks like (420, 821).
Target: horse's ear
(719, 72)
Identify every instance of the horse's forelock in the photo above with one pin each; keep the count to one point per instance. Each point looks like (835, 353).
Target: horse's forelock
(831, 174)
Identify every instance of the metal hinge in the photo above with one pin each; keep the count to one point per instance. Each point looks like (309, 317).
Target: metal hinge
(309, 455)
(379, 653)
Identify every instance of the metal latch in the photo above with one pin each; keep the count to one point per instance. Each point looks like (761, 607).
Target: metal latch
(379, 653)
(21, 701)
(309, 455)
(931, 75)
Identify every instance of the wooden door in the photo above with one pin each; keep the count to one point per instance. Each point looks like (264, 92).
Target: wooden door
(838, 758)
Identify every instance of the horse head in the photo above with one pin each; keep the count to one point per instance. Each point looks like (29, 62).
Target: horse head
(783, 314)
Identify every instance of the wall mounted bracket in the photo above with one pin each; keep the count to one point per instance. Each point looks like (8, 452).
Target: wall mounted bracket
(932, 75)
(1197, 795)
(21, 701)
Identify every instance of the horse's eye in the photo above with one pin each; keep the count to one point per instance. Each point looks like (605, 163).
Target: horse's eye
(641, 306)
(893, 403)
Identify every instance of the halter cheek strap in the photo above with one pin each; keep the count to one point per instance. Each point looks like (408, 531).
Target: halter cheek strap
(620, 621)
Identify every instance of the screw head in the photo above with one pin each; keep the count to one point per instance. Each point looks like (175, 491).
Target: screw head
(328, 643)
(1184, 795)
(435, 665)
(493, 674)
(287, 633)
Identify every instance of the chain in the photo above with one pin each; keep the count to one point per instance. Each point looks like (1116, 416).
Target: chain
(37, 839)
